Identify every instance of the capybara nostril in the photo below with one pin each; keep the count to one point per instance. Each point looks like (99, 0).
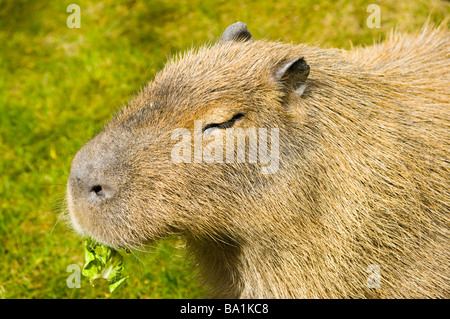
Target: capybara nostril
(98, 190)
(93, 176)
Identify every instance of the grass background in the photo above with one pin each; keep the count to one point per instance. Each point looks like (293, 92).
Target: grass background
(59, 85)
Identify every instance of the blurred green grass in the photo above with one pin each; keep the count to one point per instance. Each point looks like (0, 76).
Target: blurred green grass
(59, 85)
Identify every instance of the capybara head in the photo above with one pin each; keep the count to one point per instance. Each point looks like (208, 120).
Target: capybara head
(284, 183)
(150, 172)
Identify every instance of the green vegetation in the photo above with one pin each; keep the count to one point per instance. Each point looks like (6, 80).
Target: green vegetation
(103, 263)
(59, 85)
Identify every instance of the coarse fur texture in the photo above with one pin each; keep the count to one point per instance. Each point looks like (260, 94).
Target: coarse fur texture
(363, 174)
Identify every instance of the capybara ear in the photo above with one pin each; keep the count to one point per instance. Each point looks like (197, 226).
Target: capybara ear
(293, 74)
(236, 32)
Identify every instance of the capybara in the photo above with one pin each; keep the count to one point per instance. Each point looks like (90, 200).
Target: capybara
(292, 171)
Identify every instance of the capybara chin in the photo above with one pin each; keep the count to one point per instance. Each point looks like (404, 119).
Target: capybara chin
(351, 197)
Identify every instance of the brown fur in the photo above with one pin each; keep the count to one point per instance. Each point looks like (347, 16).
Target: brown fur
(363, 178)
